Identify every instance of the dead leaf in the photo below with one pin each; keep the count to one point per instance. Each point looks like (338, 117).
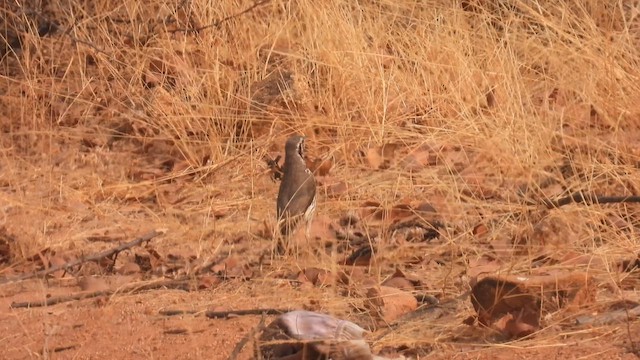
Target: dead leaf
(317, 277)
(266, 230)
(169, 195)
(630, 265)
(129, 268)
(40, 257)
(478, 185)
(502, 246)
(483, 265)
(425, 208)
(362, 256)
(92, 284)
(159, 73)
(319, 167)
(553, 232)
(320, 230)
(553, 191)
(350, 219)
(389, 150)
(618, 222)
(222, 266)
(351, 275)
(208, 281)
(525, 299)
(400, 211)
(374, 158)
(232, 267)
(338, 189)
(420, 159)
(143, 261)
(454, 158)
(574, 259)
(389, 304)
(571, 289)
(401, 283)
(480, 231)
(381, 157)
(491, 98)
(372, 210)
(493, 299)
(156, 260)
(181, 167)
(57, 260)
(516, 325)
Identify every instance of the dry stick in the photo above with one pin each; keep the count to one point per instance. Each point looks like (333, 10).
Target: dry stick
(64, 348)
(133, 288)
(60, 299)
(612, 317)
(240, 345)
(221, 21)
(223, 314)
(94, 257)
(227, 314)
(582, 198)
(177, 312)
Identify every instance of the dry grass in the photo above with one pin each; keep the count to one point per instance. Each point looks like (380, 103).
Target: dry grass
(537, 99)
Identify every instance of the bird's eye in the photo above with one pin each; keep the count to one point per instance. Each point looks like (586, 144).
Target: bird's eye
(301, 148)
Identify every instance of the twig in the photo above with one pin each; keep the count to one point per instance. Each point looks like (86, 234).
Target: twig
(89, 44)
(426, 225)
(231, 313)
(94, 257)
(61, 299)
(221, 21)
(608, 318)
(64, 348)
(133, 288)
(177, 312)
(589, 199)
(224, 314)
(208, 265)
(241, 344)
(274, 167)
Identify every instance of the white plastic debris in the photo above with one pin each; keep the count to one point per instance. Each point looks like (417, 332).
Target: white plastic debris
(304, 334)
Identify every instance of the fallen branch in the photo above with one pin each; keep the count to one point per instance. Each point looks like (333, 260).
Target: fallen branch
(94, 257)
(181, 284)
(232, 313)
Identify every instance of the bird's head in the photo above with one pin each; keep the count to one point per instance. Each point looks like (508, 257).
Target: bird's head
(295, 145)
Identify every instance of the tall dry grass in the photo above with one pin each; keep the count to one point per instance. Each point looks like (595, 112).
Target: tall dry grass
(531, 91)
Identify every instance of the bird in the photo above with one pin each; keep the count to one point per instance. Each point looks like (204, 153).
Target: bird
(297, 193)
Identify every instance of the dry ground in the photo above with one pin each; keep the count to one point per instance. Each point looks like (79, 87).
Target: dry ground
(128, 116)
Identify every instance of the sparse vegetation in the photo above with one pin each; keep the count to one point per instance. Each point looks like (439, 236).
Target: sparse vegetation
(121, 117)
